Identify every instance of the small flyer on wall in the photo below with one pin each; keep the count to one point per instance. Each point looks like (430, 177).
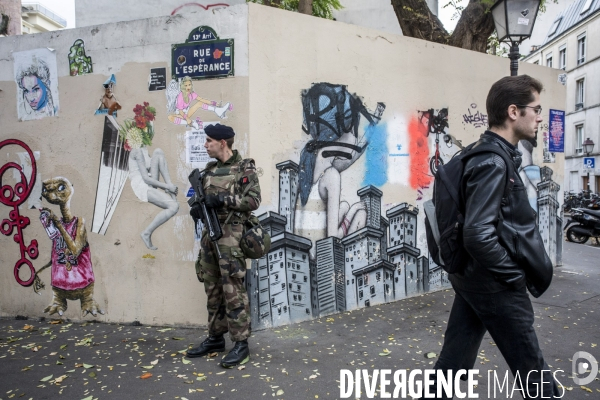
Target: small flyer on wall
(195, 153)
(557, 131)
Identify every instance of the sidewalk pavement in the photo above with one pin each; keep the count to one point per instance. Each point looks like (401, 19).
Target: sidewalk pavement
(53, 359)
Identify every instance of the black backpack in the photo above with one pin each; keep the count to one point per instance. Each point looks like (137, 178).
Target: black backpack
(444, 213)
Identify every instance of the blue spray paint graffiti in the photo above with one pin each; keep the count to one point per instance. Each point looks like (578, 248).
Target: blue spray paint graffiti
(376, 155)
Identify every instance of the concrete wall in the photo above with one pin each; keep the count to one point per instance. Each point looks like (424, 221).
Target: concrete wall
(367, 194)
(131, 281)
(90, 12)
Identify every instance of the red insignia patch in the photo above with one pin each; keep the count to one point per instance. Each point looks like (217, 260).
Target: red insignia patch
(245, 180)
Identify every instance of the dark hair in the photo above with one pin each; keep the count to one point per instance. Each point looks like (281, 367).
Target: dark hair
(509, 90)
(229, 142)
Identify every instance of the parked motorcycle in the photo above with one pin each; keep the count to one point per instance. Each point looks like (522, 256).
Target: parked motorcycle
(587, 225)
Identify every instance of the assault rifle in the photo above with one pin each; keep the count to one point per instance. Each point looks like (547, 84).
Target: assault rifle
(210, 215)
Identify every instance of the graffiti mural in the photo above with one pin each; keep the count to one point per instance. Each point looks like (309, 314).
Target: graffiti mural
(328, 253)
(145, 170)
(183, 103)
(108, 103)
(71, 275)
(79, 63)
(331, 118)
(37, 84)
(14, 197)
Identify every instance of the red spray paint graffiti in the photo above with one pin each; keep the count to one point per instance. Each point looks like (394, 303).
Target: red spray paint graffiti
(14, 197)
(206, 7)
(419, 155)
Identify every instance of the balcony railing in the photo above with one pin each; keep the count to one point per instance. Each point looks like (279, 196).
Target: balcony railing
(43, 10)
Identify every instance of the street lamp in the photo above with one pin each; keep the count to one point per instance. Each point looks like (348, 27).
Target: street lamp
(514, 21)
(588, 147)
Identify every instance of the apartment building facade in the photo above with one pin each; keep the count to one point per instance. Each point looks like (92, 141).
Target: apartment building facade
(573, 45)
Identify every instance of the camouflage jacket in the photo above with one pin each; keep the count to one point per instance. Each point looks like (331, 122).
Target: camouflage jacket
(237, 182)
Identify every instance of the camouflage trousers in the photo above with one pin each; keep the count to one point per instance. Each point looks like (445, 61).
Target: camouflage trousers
(227, 299)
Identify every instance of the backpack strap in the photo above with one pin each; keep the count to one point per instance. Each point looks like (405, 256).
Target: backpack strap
(510, 172)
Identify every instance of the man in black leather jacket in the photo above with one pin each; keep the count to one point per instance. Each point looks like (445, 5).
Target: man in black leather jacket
(507, 253)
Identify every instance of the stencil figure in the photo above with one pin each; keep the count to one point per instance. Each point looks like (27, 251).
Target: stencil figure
(109, 103)
(72, 277)
(183, 103)
(145, 170)
(331, 118)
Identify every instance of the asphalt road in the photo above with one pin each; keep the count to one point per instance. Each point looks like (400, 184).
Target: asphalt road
(54, 359)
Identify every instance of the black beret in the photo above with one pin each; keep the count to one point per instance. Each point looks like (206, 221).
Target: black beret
(219, 131)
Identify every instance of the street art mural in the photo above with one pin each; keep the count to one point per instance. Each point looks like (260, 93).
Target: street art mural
(79, 63)
(145, 170)
(183, 103)
(357, 253)
(14, 196)
(109, 103)
(37, 84)
(331, 118)
(114, 169)
(71, 275)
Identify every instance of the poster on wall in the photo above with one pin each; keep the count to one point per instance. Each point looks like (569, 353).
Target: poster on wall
(157, 80)
(202, 56)
(195, 153)
(557, 131)
(37, 84)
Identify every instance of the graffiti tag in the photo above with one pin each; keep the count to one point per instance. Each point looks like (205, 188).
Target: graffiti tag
(14, 197)
(478, 119)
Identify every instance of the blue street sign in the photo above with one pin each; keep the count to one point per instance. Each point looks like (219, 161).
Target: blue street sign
(589, 162)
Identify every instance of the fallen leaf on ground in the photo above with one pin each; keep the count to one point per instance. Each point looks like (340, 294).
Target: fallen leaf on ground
(46, 379)
(146, 375)
(430, 355)
(185, 361)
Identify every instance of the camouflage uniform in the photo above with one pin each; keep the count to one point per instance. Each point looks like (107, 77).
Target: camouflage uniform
(227, 300)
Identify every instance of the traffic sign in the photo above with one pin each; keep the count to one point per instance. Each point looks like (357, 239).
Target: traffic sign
(589, 162)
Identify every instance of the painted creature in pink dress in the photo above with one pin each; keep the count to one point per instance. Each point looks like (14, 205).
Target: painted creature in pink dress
(72, 276)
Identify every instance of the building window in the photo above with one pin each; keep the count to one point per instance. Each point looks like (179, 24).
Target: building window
(581, 49)
(549, 60)
(360, 294)
(378, 276)
(562, 58)
(293, 276)
(373, 290)
(360, 281)
(580, 95)
(308, 311)
(282, 286)
(579, 139)
(586, 6)
(554, 27)
(305, 278)
(347, 282)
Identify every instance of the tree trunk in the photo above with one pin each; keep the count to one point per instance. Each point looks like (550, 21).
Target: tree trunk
(305, 7)
(472, 31)
(474, 27)
(10, 17)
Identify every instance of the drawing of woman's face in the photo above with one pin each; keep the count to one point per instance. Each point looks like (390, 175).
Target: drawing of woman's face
(34, 91)
(187, 86)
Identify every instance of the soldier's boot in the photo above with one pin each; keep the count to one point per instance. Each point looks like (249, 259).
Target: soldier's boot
(240, 354)
(210, 345)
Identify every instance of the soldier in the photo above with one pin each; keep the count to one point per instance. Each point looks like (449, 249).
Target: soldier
(232, 189)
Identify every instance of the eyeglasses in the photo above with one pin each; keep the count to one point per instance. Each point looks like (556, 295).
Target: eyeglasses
(537, 109)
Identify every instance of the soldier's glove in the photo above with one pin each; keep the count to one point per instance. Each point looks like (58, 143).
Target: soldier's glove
(214, 201)
(197, 214)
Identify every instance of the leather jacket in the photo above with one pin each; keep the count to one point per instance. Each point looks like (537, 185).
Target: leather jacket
(504, 254)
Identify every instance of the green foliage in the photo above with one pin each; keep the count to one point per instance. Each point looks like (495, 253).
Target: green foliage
(321, 8)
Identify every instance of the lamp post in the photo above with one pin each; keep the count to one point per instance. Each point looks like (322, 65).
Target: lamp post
(588, 147)
(514, 21)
